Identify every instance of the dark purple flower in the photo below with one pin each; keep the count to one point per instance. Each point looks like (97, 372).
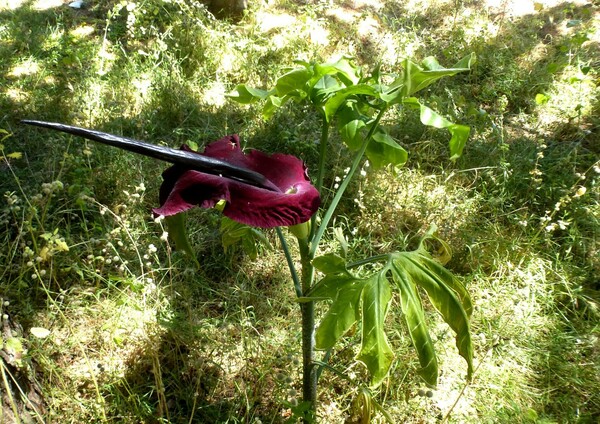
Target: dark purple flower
(289, 200)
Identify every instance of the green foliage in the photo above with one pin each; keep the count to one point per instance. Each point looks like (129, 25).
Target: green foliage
(250, 238)
(365, 298)
(178, 233)
(339, 90)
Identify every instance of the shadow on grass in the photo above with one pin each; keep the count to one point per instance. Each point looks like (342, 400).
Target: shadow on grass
(170, 377)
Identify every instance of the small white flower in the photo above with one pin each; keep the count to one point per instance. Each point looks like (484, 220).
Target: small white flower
(164, 236)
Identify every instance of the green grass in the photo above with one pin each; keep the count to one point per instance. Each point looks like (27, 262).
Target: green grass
(138, 335)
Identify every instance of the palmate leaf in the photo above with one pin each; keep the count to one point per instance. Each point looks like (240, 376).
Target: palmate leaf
(375, 351)
(366, 300)
(448, 296)
(414, 316)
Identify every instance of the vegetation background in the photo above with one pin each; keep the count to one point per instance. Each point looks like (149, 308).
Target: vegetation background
(103, 322)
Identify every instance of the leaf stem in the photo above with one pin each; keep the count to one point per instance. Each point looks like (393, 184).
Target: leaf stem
(321, 169)
(307, 309)
(340, 192)
(376, 258)
(290, 261)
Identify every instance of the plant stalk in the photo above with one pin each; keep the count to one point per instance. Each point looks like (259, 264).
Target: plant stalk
(321, 169)
(309, 370)
(340, 192)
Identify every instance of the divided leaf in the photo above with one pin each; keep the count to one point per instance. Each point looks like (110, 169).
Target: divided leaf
(375, 352)
(414, 316)
(366, 300)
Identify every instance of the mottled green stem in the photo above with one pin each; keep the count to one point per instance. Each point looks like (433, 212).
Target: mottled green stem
(309, 370)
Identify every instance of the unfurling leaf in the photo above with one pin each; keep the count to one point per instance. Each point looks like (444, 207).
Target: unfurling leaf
(249, 238)
(178, 233)
(460, 133)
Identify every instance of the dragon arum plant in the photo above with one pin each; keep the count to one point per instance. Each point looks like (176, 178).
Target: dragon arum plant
(356, 104)
(255, 190)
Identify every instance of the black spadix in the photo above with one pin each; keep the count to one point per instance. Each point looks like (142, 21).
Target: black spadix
(187, 159)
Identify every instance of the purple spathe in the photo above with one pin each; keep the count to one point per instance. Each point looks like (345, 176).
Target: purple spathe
(291, 201)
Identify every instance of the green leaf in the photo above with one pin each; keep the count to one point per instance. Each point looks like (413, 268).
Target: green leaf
(343, 68)
(541, 98)
(293, 83)
(446, 293)
(271, 105)
(460, 133)
(177, 231)
(449, 297)
(343, 312)
(249, 238)
(367, 300)
(323, 88)
(350, 122)
(330, 264)
(340, 97)
(414, 316)
(375, 352)
(246, 95)
(383, 150)
(414, 78)
(417, 78)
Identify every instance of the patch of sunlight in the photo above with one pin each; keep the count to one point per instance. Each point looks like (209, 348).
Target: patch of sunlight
(389, 49)
(368, 26)
(229, 62)
(105, 59)
(570, 97)
(143, 87)
(82, 31)
(215, 95)
(17, 95)
(11, 4)
(420, 6)
(270, 21)
(53, 40)
(47, 4)
(519, 8)
(143, 84)
(25, 68)
(115, 329)
(343, 14)
(50, 80)
(373, 4)
(317, 34)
